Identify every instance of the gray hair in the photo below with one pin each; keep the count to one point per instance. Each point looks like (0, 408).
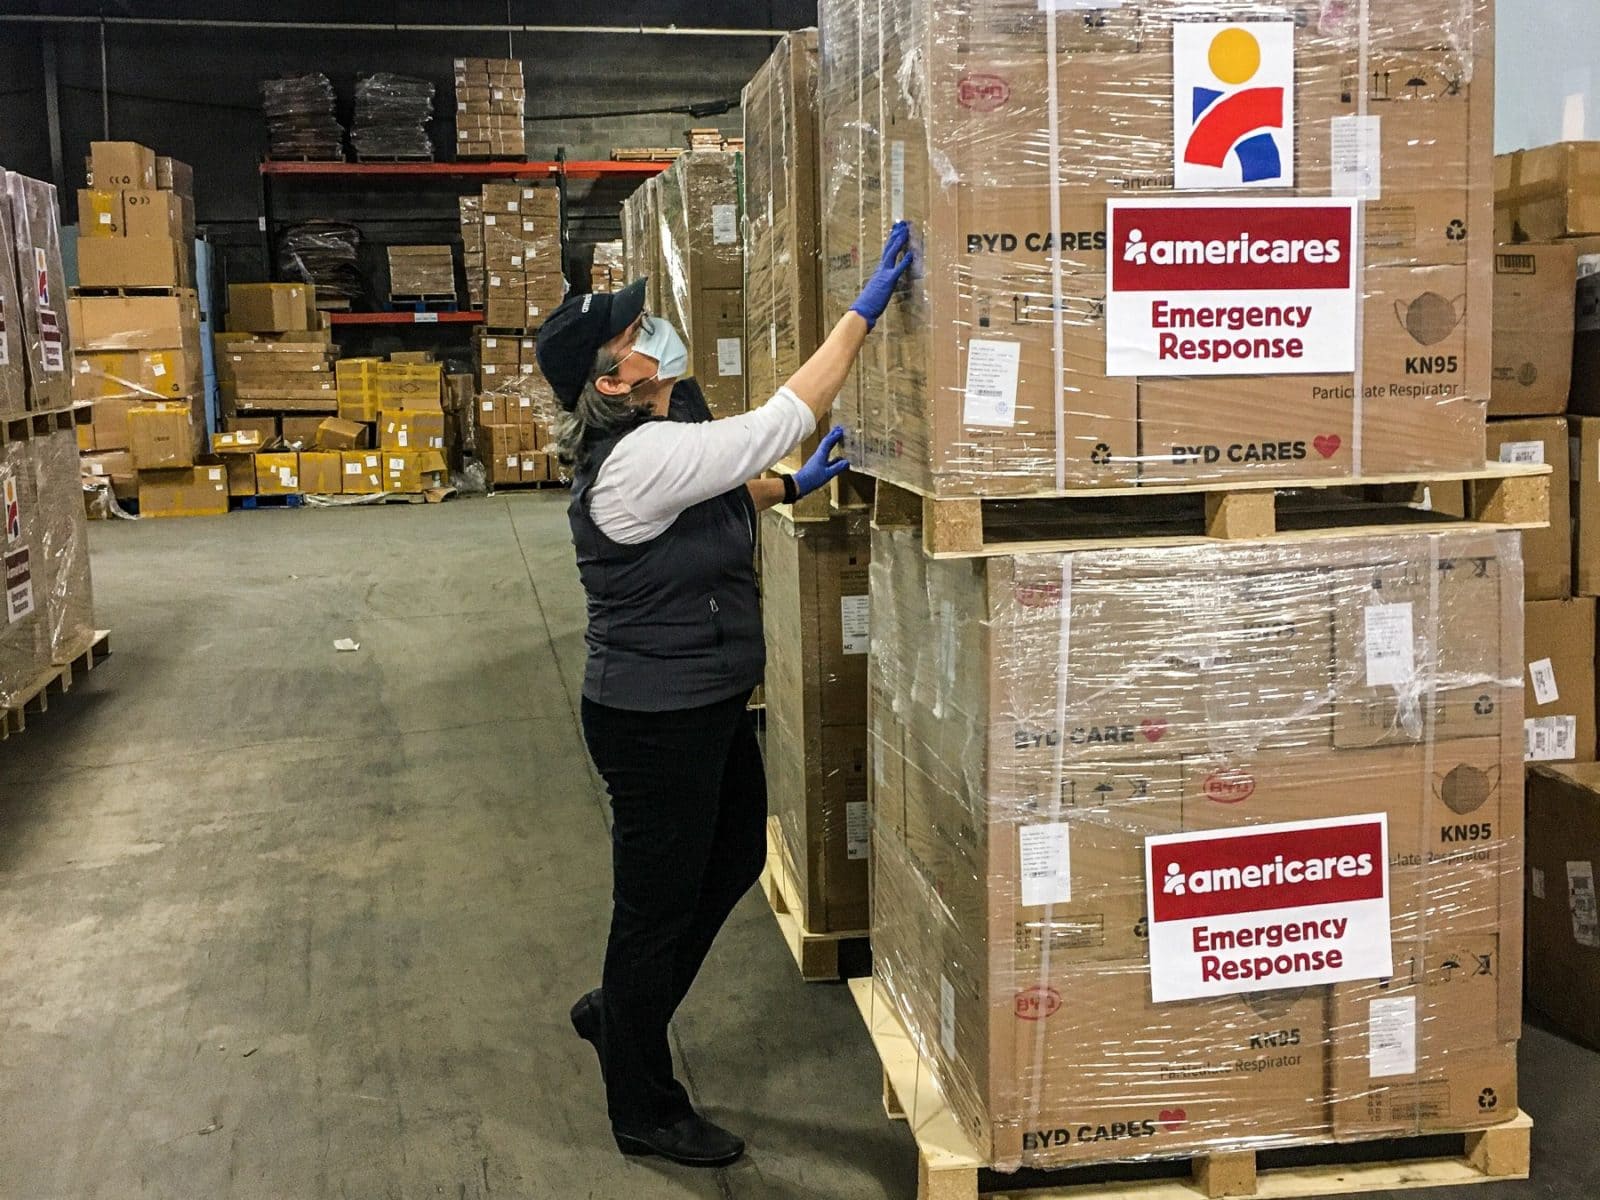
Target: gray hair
(595, 415)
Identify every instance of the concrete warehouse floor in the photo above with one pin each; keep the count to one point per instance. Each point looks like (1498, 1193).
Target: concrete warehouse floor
(282, 923)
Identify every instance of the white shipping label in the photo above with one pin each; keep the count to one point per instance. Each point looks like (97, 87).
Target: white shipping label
(854, 614)
(856, 830)
(488, 218)
(1550, 739)
(1391, 658)
(1357, 158)
(1536, 882)
(1522, 452)
(524, 401)
(352, 468)
(214, 474)
(947, 1016)
(1543, 674)
(397, 464)
(158, 368)
(511, 206)
(403, 438)
(1046, 863)
(730, 356)
(1581, 899)
(897, 181)
(724, 224)
(105, 218)
(1392, 1037)
(18, 574)
(285, 475)
(991, 388)
(96, 469)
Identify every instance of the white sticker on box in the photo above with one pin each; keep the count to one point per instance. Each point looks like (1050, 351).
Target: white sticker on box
(105, 218)
(261, 224)
(1549, 739)
(947, 1016)
(490, 369)
(897, 181)
(524, 401)
(491, 343)
(83, 363)
(730, 356)
(397, 464)
(1522, 452)
(488, 406)
(1357, 158)
(1392, 1037)
(1564, 738)
(1390, 651)
(724, 224)
(857, 830)
(1543, 673)
(488, 218)
(403, 437)
(991, 388)
(511, 206)
(285, 475)
(352, 468)
(158, 368)
(855, 623)
(215, 473)
(1046, 863)
(516, 260)
(1581, 900)
(97, 468)
(494, 281)
(1536, 882)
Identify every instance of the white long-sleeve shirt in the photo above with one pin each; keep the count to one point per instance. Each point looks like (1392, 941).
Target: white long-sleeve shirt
(664, 467)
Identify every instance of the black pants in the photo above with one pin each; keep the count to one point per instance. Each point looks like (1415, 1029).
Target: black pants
(688, 838)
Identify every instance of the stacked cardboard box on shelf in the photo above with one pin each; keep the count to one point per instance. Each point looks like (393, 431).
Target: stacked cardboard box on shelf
(682, 230)
(471, 213)
(46, 593)
(135, 219)
(514, 406)
(522, 254)
(606, 273)
(277, 355)
(421, 272)
(489, 104)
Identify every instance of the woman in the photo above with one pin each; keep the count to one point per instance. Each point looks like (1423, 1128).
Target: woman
(663, 511)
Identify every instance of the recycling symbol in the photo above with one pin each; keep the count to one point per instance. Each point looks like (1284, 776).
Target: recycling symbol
(1100, 456)
(1487, 1099)
(1141, 928)
(1483, 705)
(1456, 231)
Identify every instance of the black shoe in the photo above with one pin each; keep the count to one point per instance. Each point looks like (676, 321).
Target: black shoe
(693, 1141)
(586, 1019)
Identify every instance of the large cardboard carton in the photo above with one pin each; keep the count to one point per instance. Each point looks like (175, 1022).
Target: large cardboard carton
(188, 492)
(42, 288)
(961, 145)
(161, 435)
(278, 474)
(24, 640)
(411, 471)
(155, 214)
(1548, 192)
(411, 429)
(335, 433)
(121, 165)
(115, 467)
(154, 262)
(13, 351)
(146, 374)
(1546, 552)
(135, 322)
(271, 307)
(815, 612)
(1563, 919)
(321, 472)
(1034, 719)
(1585, 492)
(1559, 681)
(100, 213)
(362, 472)
(1535, 289)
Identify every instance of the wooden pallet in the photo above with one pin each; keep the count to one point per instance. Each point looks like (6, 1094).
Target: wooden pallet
(816, 954)
(127, 290)
(949, 1165)
(22, 427)
(35, 698)
(1494, 496)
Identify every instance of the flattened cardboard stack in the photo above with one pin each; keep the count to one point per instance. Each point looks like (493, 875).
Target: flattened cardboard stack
(421, 273)
(521, 255)
(279, 352)
(489, 106)
(682, 230)
(514, 407)
(46, 593)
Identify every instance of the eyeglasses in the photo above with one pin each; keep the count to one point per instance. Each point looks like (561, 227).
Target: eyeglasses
(645, 329)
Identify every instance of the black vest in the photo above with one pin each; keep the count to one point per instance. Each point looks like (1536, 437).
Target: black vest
(674, 622)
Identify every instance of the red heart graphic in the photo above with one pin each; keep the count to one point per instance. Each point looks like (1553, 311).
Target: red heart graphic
(1153, 728)
(1327, 444)
(1171, 1118)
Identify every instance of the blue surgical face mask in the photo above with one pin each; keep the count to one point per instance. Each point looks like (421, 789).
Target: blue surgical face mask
(660, 341)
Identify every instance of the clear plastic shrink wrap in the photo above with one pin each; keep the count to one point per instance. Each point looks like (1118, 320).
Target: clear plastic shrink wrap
(24, 635)
(1034, 718)
(300, 118)
(63, 589)
(1004, 127)
(391, 117)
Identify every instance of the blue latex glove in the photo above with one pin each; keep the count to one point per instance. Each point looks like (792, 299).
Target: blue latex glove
(819, 467)
(875, 296)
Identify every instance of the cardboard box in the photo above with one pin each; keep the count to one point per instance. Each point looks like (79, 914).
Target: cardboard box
(100, 212)
(121, 165)
(116, 468)
(42, 291)
(321, 472)
(716, 349)
(1559, 682)
(278, 474)
(300, 433)
(271, 307)
(241, 470)
(174, 175)
(1563, 969)
(146, 374)
(335, 433)
(411, 471)
(134, 322)
(1547, 552)
(408, 429)
(1585, 459)
(266, 427)
(108, 423)
(132, 262)
(188, 492)
(235, 442)
(1548, 192)
(362, 472)
(155, 214)
(1584, 395)
(1535, 288)
(13, 349)
(815, 612)
(161, 435)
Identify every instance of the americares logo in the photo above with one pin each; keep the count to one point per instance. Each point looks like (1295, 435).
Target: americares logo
(1233, 104)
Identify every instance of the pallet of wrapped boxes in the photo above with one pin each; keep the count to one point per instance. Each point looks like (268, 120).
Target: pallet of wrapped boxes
(521, 237)
(514, 408)
(422, 277)
(489, 106)
(1193, 774)
(46, 592)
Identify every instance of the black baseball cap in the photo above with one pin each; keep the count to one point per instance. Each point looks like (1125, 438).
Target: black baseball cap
(573, 334)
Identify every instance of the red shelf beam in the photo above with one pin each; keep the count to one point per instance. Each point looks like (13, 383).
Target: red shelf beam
(595, 169)
(405, 318)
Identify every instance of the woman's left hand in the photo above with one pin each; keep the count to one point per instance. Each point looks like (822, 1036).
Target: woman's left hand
(820, 467)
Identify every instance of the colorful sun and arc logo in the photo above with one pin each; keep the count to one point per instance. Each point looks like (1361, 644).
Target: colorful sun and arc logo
(1234, 105)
